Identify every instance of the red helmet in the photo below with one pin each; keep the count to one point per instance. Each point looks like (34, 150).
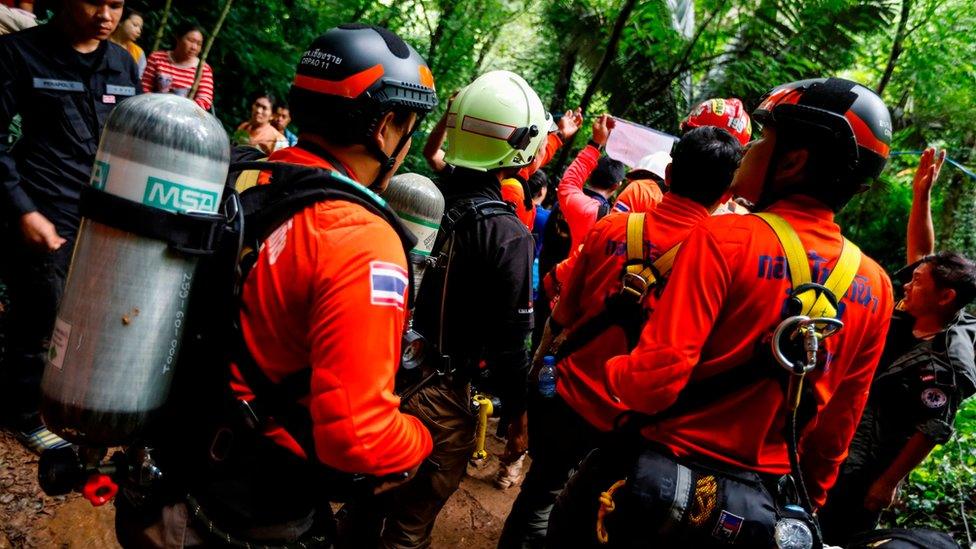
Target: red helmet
(728, 114)
(844, 116)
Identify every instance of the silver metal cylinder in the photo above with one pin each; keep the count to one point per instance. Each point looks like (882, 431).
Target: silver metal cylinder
(119, 325)
(420, 206)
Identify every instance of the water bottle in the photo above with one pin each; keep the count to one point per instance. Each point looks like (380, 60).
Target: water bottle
(547, 377)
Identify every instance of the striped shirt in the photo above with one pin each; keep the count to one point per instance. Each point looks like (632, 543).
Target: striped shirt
(162, 75)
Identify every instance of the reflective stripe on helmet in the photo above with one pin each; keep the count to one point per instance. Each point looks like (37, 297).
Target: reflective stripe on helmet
(350, 88)
(865, 137)
(486, 128)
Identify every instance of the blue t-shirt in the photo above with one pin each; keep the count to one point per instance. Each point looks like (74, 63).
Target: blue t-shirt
(541, 218)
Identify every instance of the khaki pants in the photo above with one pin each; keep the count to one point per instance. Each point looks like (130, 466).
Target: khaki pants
(404, 517)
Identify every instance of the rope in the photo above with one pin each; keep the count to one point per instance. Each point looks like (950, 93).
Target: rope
(607, 506)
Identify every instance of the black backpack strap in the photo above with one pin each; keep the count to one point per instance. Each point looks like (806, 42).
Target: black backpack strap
(193, 233)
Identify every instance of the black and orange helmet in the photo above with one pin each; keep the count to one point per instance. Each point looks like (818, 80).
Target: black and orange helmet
(843, 116)
(353, 74)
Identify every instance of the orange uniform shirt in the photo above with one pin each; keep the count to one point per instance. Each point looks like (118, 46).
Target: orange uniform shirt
(726, 291)
(512, 190)
(514, 194)
(328, 292)
(640, 195)
(595, 277)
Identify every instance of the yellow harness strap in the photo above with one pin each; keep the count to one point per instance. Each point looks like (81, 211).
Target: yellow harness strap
(814, 303)
(248, 178)
(638, 277)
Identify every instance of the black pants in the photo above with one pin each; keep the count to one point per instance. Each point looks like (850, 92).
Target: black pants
(559, 439)
(663, 504)
(844, 514)
(35, 283)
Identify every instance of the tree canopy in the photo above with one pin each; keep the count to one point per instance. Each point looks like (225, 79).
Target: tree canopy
(665, 56)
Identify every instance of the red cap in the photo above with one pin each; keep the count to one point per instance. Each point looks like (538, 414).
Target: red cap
(728, 114)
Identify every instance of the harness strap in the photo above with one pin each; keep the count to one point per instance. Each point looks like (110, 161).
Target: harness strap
(708, 390)
(195, 233)
(624, 308)
(814, 302)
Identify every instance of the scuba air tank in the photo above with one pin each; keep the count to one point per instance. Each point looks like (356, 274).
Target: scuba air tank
(119, 326)
(420, 206)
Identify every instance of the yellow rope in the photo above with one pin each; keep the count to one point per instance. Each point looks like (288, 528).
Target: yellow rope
(607, 505)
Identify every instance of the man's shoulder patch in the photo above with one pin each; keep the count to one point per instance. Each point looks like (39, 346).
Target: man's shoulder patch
(387, 284)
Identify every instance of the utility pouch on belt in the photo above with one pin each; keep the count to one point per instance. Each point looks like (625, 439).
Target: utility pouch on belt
(697, 505)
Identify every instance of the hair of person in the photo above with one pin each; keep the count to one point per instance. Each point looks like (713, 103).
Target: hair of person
(608, 172)
(538, 181)
(953, 271)
(186, 28)
(265, 95)
(703, 162)
(281, 104)
(128, 13)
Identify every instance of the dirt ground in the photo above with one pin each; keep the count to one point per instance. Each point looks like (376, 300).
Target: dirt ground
(28, 518)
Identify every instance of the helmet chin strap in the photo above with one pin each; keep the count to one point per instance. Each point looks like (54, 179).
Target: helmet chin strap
(388, 161)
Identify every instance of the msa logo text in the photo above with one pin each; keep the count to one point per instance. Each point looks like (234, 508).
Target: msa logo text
(178, 198)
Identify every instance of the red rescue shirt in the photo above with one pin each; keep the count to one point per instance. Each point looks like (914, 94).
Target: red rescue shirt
(726, 291)
(579, 209)
(595, 277)
(640, 195)
(328, 291)
(514, 193)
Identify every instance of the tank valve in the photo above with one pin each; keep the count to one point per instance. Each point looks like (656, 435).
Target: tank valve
(99, 489)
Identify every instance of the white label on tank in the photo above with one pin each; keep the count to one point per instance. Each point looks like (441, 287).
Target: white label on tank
(156, 187)
(59, 343)
(424, 230)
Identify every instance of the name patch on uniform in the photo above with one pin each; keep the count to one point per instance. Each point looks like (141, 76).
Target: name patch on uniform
(58, 85)
(120, 90)
(387, 284)
(108, 99)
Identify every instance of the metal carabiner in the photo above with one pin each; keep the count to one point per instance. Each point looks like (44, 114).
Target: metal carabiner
(812, 330)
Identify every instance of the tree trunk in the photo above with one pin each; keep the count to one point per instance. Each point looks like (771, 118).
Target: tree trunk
(601, 69)
(207, 46)
(612, 43)
(896, 46)
(162, 26)
(485, 50)
(447, 10)
(564, 80)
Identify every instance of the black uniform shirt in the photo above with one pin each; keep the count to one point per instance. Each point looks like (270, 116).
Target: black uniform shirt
(488, 310)
(918, 387)
(64, 98)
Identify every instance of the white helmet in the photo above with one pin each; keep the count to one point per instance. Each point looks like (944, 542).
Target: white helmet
(654, 164)
(497, 121)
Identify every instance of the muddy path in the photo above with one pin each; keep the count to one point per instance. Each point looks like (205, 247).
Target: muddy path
(28, 518)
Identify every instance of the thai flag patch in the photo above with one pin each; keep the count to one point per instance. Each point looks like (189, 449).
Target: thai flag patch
(387, 284)
(728, 527)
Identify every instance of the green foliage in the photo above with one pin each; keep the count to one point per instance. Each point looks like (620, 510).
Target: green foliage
(939, 493)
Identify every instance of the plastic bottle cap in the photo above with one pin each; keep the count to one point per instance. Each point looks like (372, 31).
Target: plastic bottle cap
(549, 360)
